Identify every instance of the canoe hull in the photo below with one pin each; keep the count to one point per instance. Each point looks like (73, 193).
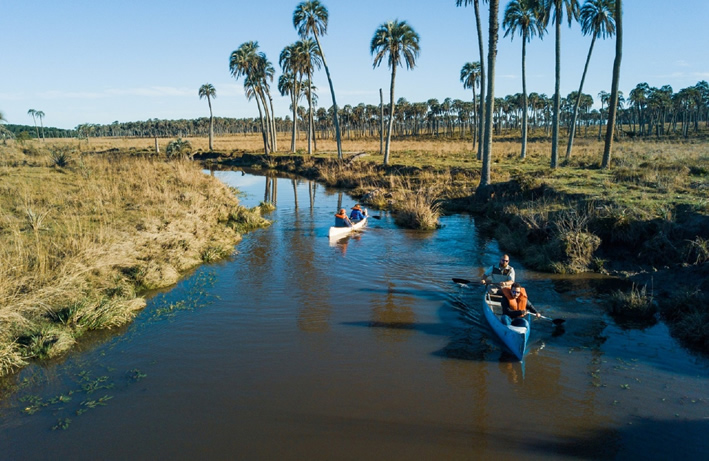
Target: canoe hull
(513, 337)
(339, 232)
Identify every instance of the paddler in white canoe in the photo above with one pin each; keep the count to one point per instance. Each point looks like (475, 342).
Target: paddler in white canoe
(344, 224)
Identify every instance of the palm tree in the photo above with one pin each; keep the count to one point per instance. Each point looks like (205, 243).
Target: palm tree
(483, 88)
(248, 62)
(310, 17)
(208, 91)
(572, 12)
(40, 115)
(308, 60)
(603, 96)
(397, 40)
(470, 76)
(288, 83)
(33, 113)
(613, 103)
(493, 29)
(528, 17)
(596, 18)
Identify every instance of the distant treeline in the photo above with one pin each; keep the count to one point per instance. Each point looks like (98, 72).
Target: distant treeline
(647, 111)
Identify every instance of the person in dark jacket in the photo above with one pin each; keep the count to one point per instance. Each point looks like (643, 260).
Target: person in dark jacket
(341, 219)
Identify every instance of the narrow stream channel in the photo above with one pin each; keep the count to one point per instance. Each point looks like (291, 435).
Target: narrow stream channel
(301, 348)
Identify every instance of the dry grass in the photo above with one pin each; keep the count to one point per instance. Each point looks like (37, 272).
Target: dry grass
(77, 241)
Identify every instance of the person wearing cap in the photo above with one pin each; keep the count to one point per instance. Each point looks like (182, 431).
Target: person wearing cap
(341, 219)
(357, 214)
(502, 275)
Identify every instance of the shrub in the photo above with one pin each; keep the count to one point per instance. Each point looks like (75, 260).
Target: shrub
(60, 156)
(638, 303)
(178, 147)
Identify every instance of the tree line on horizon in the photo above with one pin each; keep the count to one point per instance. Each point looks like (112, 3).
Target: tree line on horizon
(647, 111)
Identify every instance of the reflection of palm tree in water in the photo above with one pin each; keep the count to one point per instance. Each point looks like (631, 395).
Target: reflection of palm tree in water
(394, 316)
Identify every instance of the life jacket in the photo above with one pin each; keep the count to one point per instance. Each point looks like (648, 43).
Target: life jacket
(519, 304)
(497, 271)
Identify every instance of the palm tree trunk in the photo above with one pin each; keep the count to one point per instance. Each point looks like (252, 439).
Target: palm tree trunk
(557, 96)
(267, 117)
(391, 115)
(274, 140)
(482, 78)
(613, 104)
(263, 127)
(294, 101)
(572, 132)
(334, 101)
(211, 125)
(381, 122)
(310, 115)
(490, 103)
(523, 154)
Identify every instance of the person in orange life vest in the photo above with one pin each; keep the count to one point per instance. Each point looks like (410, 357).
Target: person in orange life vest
(341, 219)
(357, 214)
(502, 274)
(515, 302)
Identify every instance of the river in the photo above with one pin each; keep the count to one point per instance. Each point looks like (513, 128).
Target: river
(301, 348)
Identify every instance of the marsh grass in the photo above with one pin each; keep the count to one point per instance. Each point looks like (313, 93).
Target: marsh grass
(638, 303)
(78, 242)
(688, 317)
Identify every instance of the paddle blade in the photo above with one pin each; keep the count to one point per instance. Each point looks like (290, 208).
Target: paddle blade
(558, 322)
(375, 217)
(463, 281)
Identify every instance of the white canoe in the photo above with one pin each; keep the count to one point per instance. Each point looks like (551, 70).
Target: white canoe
(514, 337)
(338, 232)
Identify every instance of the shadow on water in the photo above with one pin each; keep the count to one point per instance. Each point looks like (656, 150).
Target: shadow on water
(663, 439)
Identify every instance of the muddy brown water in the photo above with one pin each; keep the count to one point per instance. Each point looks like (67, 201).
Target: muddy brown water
(301, 348)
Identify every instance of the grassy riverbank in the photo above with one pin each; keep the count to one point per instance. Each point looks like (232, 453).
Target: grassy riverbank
(83, 235)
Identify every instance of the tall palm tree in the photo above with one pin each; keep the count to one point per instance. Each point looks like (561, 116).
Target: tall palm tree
(308, 59)
(470, 76)
(483, 88)
(246, 61)
(310, 17)
(527, 16)
(613, 103)
(40, 115)
(493, 32)
(603, 96)
(208, 91)
(33, 113)
(596, 18)
(396, 40)
(558, 7)
(288, 83)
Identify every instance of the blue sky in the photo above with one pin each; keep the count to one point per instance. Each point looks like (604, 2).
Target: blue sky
(99, 62)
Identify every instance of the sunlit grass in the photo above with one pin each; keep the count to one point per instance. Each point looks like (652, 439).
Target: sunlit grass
(78, 240)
